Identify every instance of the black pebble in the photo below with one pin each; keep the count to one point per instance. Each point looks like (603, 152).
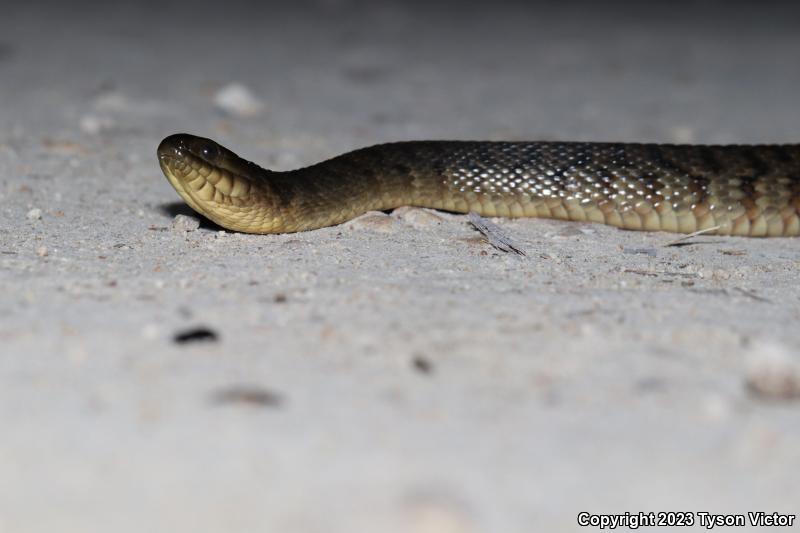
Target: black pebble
(195, 335)
(422, 365)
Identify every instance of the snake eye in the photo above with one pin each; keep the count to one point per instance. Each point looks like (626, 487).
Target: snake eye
(208, 150)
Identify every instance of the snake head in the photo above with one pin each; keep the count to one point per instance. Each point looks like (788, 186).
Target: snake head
(214, 181)
(181, 153)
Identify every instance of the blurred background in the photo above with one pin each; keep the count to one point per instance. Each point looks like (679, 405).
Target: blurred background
(355, 72)
(377, 382)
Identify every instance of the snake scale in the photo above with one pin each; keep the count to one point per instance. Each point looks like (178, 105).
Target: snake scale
(749, 190)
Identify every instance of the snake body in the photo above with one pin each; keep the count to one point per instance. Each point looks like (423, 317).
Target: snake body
(751, 190)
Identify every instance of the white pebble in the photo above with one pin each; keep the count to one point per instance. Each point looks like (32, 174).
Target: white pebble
(682, 134)
(237, 100)
(185, 223)
(373, 221)
(417, 217)
(716, 407)
(42, 251)
(774, 372)
(35, 214)
(112, 101)
(150, 331)
(94, 124)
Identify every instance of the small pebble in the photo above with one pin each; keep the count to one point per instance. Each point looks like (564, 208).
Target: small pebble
(112, 101)
(185, 223)
(94, 124)
(422, 365)
(568, 231)
(773, 373)
(373, 221)
(433, 514)
(683, 134)
(150, 331)
(237, 100)
(35, 214)
(42, 251)
(199, 334)
(417, 218)
(716, 407)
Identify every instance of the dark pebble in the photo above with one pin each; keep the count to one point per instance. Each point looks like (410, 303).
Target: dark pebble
(195, 335)
(247, 394)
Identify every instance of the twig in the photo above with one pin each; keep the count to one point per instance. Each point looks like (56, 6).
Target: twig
(680, 240)
(656, 273)
(751, 294)
(494, 234)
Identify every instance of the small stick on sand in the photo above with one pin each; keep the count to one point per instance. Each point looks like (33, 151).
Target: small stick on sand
(680, 240)
(494, 234)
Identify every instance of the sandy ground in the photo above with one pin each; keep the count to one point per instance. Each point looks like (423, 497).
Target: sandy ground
(396, 374)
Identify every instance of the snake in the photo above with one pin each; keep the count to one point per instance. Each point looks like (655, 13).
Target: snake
(744, 190)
